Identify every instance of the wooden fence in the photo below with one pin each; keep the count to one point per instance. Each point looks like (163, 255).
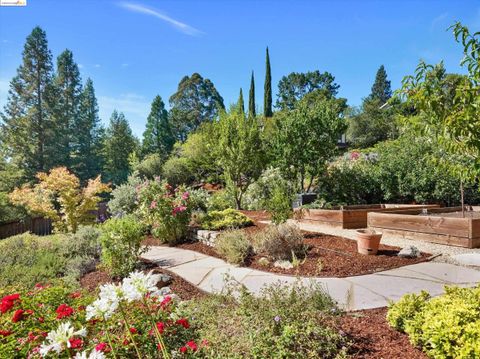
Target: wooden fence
(39, 226)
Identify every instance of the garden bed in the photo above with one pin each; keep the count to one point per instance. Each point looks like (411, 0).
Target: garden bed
(437, 225)
(349, 217)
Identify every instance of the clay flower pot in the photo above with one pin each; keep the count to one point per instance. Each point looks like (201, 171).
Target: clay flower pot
(368, 241)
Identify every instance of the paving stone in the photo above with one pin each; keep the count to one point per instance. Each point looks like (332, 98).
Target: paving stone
(215, 281)
(197, 270)
(171, 256)
(448, 272)
(469, 259)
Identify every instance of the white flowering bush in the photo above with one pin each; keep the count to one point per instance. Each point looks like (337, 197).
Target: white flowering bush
(131, 319)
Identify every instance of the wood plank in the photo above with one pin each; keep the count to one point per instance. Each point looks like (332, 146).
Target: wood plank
(474, 228)
(424, 224)
(430, 237)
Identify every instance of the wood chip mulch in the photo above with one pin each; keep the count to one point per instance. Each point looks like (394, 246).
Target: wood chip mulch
(372, 337)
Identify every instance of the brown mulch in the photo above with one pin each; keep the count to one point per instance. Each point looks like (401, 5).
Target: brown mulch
(185, 290)
(373, 338)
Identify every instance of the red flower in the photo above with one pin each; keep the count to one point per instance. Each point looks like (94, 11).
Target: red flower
(75, 343)
(63, 311)
(75, 295)
(11, 297)
(183, 350)
(183, 322)
(101, 347)
(133, 330)
(165, 301)
(8, 301)
(204, 343)
(18, 315)
(5, 333)
(125, 342)
(39, 286)
(191, 344)
(160, 327)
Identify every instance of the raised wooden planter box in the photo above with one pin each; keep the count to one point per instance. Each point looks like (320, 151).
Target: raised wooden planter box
(454, 231)
(349, 217)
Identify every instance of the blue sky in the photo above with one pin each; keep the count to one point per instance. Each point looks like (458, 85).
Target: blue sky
(134, 50)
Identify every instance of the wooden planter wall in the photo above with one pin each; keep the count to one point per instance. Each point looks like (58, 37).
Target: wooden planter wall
(350, 217)
(462, 232)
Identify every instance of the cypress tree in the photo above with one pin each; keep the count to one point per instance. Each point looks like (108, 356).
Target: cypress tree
(68, 90)
(27, 131)
(86, 145)
(241, 104)
(267, 100)
(158, 137)
(381, 89)
(251, 99)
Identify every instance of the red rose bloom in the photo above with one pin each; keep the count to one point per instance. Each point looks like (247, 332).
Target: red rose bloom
(75, 343)
(191, 344)
(63, 311)
(183, 322)
(18, 315)
(5, 333)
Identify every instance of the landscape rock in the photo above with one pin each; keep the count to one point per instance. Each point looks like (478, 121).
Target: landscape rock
(165, 280)
(264, 261)
(283, 264)
(409, 252)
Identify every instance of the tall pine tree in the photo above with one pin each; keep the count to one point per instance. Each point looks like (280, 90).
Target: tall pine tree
(119, 143)
(68, 90)
(158, 137)
(241, 104)
(87, 135)
(251, 99)
(381, 89)
(27, 133)
(267, 99)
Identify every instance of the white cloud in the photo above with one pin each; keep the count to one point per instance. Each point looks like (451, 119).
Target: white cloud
(135, 108)
(180, 26)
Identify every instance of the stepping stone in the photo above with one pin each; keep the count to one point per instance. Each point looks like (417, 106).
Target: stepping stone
(469, 259)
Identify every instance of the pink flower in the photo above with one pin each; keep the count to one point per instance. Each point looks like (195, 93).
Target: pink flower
(185, 196)
(354, 155)
(178, 209)
(101, 347)
(153, 205)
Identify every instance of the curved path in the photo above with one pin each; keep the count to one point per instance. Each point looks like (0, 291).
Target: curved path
(352, 293)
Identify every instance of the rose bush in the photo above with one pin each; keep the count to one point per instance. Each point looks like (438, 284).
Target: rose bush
(165, 209)
(133, 319)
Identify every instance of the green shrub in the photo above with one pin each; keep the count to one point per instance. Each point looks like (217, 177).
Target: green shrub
(165, 210)
(124, 198)
(279, 242)
(178, 171)
(199, 199)
(150, 167)
(121, 244)
(220, 200)
(226, 219)
(405, 309)
(283, 322)
(234, 246)
(279, 205)
(27, 259)
(445, 327)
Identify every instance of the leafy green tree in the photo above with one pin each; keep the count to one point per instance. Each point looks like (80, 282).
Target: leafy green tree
(381, 89)
(119, 144)
(306, 138)
(295, 86)
(251, 99)
(196, 101)
(87, 158)
(267, 99)
(240, 103)
(238, 152)
(68, 91)
(27, 132)
(158, 137)
(455, 128)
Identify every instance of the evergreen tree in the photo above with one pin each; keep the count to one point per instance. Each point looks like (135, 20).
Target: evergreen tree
(87, 136)
(196, 101)
(241, 104)
(68, 91)
(251, 99)
(158, 137)
(381, 89)
(119, 143)
(27, 133)
(267, 100)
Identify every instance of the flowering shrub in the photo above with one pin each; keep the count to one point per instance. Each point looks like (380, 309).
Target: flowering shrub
(121, 244)
(165, 209)
(134, 319)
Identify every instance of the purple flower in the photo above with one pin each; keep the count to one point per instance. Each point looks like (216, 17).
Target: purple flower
(277, 319)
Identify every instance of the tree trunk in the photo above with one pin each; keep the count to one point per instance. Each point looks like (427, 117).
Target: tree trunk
(462, 198)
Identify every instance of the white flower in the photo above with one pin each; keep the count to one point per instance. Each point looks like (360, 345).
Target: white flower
(94, 354)
(111, 292)
(137, 285)
(101, 308)
(58, 338)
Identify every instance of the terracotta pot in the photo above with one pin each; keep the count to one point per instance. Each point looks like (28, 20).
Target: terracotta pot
(368, 241)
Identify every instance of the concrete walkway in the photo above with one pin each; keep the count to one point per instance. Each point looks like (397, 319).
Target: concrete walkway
(351, 293)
